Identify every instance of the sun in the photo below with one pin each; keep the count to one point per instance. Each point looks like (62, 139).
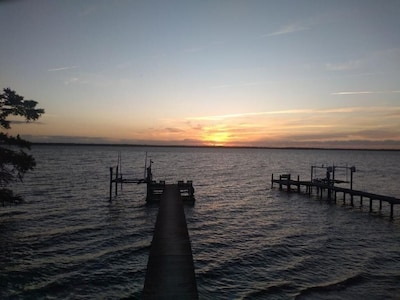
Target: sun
(218, 138)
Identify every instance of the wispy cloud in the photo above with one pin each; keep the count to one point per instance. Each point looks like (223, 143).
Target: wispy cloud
(71, 80)
(174, 130)
(193, 49)
(62, 68)
(287, 29)
(344, 66)
(364, 92)
(276, 112)
(88, 10)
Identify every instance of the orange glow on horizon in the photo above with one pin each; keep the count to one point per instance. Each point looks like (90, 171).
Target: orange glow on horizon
(216, 139)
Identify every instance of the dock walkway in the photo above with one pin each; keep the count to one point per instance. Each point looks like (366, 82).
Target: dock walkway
(170, 269)
(332, 191)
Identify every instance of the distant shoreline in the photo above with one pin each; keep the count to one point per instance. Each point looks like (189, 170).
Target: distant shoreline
(206, 147)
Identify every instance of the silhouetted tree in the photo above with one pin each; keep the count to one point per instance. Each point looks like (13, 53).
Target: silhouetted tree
(14, 161)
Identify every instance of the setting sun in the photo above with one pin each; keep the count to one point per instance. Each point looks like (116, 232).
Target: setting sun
(216, 138)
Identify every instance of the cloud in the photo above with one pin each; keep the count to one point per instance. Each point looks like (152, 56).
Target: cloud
(345, 66)
(382, 133)
(329, 144)
(286, 112)
(62, 69)
(288, 29)
(174, 130)
(71, 80)
(364, 92)
(89, 10)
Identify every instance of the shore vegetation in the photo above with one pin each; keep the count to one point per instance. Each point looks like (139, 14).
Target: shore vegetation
(15, 159)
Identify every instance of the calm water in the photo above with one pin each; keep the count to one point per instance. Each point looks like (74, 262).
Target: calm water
(249, 241)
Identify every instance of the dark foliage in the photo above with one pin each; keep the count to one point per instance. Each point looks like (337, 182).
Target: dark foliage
(14, 160)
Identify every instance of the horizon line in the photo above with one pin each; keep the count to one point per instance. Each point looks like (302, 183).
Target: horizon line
(208, 146)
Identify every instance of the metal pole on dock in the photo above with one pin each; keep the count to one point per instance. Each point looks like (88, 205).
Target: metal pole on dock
(312, 171)
(111, 181)
(116, 182)
(145, 166)
(272, 180)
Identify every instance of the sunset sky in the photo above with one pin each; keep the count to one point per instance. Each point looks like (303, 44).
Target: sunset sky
(235, 73)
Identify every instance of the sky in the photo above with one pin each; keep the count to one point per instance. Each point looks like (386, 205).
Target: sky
(226, 73)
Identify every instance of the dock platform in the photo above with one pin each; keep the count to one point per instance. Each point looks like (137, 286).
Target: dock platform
(155, 190)
(170, 269)
(331, 191)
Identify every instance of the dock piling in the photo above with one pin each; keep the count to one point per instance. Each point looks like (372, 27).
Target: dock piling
(111, 182)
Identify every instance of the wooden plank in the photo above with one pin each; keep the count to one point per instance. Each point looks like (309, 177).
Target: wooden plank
(170, 269)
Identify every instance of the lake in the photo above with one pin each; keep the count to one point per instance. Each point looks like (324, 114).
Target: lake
(67, 241)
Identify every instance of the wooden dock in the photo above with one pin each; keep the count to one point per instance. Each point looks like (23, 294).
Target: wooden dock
(170, 269)
(155, 190)
(330, 190)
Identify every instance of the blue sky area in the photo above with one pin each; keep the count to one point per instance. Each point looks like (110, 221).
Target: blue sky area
(244, 73)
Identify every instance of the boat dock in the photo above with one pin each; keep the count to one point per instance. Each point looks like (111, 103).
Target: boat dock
(154, 189)
(170, 269)
(327, 187)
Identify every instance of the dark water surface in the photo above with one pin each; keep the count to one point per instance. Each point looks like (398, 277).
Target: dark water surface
(249, 241)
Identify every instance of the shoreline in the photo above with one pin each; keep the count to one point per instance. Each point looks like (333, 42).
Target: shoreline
(207, 146)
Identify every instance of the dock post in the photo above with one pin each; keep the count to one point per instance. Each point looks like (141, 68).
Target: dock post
(111, 182)
(280, 182)
(380, 204)
(288, 183)
(298, 184)
(361, 200)
(121, 181)
(116, 182)
(272, 180)
(370, 204)
(391, 211)
(351, 200)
